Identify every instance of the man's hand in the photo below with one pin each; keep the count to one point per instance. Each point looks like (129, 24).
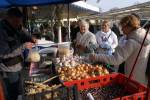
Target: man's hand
(29, 45)
(80, 47)
(34, 40)
(92, 57)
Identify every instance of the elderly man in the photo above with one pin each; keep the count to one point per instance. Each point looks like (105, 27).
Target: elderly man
(85, 39)
(106, 38)
(12, 41)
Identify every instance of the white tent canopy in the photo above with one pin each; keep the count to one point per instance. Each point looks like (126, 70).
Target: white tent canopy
(76, 9)
(86, 6)
(143, 10)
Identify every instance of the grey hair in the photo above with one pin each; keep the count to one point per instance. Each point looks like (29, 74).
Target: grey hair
(83, 22)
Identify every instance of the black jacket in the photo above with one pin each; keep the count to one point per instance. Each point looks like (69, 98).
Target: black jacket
(148, 67)
(11, 40)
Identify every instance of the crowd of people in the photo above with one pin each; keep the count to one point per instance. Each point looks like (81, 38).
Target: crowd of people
(128, 50)
(107, 48)
(125, 50)
(104, 46)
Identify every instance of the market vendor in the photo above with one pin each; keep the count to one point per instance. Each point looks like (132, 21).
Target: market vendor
(106, 39)
(13, 41)
(85, 39)
(129, 51)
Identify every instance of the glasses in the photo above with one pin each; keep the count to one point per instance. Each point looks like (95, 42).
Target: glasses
(123, 26)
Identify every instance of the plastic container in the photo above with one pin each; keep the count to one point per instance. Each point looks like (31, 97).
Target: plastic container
(64, 49)
(137, 90)
(64, 45)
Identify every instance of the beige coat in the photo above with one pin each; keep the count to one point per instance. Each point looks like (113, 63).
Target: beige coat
(128, 53)
(85, 40)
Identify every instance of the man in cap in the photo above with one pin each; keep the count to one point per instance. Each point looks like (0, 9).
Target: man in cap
(13, 41)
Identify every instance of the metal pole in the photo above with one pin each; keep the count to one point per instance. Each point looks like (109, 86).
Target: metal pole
(68, 22)
(25, 17)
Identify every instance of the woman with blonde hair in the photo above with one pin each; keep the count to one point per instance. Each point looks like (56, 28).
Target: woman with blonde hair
(129, 51)
(106, 39)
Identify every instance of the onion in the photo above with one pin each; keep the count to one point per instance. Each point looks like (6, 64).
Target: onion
(78, 78)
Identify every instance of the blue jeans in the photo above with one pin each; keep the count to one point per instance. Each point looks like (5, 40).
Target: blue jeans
(11, 85)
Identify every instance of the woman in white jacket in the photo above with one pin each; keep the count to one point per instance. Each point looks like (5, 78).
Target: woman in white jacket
(106, 38)
(129, 51)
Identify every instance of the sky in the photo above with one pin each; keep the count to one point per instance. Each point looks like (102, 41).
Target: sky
(109, 4)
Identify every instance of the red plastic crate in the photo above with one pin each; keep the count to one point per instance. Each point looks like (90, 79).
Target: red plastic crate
(137, 90)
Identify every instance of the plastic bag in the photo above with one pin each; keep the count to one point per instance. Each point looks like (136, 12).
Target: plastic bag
(33, 56)
(105, 45)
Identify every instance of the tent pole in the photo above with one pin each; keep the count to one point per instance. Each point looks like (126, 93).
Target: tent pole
(68, 22)
(25, 17)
